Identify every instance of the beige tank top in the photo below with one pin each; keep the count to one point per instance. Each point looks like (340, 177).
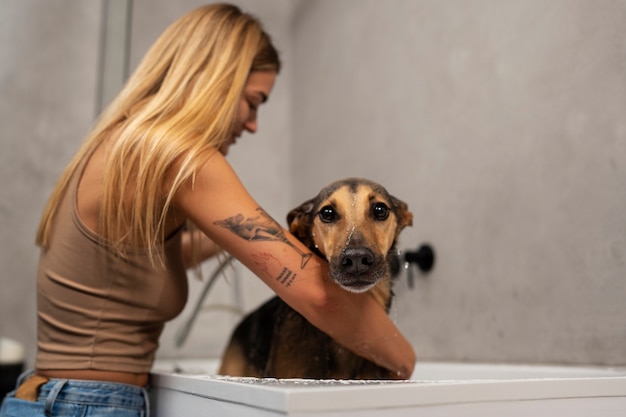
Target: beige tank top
(97, 310)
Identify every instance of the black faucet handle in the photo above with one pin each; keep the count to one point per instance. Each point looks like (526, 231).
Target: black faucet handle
(423, 257)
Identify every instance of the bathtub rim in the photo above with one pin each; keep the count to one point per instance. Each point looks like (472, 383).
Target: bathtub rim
(295, 396)
(321, 397)
(485, 370)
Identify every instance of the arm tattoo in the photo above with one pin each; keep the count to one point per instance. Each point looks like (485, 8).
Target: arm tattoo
(261, 228)
(263, 261)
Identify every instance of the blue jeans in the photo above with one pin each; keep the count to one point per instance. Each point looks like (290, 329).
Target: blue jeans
(72, 397)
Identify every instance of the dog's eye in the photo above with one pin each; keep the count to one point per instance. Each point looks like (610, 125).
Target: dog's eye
(380, 211)
(327, 214)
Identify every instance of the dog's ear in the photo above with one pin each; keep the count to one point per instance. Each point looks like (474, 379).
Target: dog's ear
(300, 221)
(401, 209)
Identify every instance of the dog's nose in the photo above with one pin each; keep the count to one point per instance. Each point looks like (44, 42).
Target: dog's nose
(357, 261)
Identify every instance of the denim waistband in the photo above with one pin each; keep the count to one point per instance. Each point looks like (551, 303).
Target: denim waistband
(100, 393)
(93, 392)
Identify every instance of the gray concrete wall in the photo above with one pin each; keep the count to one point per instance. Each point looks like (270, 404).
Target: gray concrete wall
(502, 124)
(48, 89)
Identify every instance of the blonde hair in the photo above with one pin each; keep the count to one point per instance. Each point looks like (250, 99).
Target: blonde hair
(173, 113)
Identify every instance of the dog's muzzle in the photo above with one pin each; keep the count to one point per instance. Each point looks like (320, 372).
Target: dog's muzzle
(356, 261)
(357, 269)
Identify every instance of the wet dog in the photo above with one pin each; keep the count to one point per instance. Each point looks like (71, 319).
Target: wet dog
(353, 224)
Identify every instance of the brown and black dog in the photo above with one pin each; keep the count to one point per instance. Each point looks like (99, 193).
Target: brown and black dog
(353, 224)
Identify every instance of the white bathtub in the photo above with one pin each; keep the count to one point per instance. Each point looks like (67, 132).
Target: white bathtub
(189, 388)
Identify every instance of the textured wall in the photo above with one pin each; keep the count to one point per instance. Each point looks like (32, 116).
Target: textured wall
(48, 74)
(502, 125)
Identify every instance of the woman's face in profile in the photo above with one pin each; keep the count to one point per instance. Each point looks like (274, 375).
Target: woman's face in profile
(256, 92)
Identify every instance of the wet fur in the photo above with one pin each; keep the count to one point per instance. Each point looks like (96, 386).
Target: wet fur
(275, 340)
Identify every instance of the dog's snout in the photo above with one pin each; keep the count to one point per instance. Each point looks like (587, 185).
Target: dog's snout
(357, 261)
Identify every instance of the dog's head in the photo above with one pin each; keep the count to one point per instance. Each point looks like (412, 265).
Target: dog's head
(354, 224)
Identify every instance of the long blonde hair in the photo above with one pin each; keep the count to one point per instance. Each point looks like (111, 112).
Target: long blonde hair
(172, 114)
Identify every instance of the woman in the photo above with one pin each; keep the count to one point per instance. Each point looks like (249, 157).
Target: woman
(114, 250)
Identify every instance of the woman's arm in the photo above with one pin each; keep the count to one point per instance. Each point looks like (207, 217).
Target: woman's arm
(221, 208)
(200, 250)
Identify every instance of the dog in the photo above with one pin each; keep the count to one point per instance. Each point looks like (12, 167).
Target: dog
(354, 224)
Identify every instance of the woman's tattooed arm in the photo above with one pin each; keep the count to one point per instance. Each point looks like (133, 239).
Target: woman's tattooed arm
(263, 260)
(260, 228)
